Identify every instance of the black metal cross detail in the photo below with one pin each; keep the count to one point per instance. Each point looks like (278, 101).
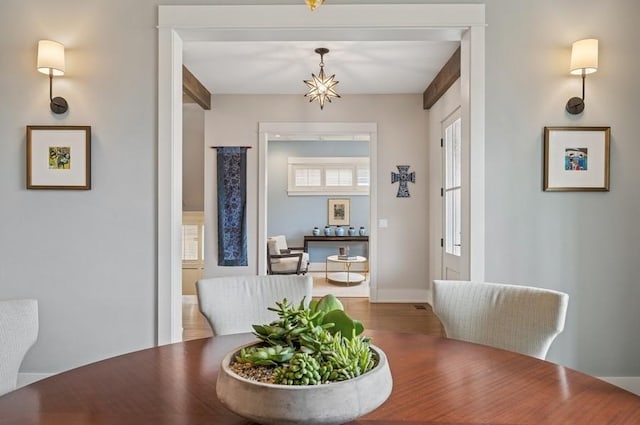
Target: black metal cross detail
(403, 176)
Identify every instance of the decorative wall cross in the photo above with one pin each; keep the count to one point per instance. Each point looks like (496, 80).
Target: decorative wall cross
(403, 176)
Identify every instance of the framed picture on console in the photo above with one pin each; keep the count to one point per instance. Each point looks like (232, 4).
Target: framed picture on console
(59, 157)
(576, 158)
(339, 210)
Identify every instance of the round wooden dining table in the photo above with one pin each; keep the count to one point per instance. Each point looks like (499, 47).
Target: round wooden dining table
(435, 381)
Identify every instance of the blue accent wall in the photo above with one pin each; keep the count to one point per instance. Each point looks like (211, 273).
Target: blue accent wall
(295, 216)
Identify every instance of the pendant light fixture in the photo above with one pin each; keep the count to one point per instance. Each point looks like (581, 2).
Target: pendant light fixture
(313, 4)
(321, 87)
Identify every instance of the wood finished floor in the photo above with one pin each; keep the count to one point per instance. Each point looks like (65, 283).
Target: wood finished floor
(417, 318)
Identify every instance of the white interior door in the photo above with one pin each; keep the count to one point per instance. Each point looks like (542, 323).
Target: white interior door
(452, 196)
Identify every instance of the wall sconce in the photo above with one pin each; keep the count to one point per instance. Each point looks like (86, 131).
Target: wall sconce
(51, 62)
(584, 60)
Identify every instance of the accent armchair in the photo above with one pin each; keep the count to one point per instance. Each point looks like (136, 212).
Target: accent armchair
(282, 259)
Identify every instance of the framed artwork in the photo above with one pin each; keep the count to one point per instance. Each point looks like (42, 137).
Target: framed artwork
(576, 158)
(339, 210)
(59, 157)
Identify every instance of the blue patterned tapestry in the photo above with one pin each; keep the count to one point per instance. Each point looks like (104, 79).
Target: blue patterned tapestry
(232, 203)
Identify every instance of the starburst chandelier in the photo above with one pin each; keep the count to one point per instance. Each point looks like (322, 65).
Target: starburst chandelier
(313, 4)
(321, 87)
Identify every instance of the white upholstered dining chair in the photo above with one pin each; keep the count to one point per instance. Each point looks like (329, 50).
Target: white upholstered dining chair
(512, 317)
(232, 304)
(18, 332)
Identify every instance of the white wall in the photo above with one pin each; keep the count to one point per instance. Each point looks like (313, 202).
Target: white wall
(96, 285)
(402, 133)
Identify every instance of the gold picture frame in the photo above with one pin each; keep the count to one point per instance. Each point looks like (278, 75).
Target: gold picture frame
(576, 159)
(339, 212)
(59, 157)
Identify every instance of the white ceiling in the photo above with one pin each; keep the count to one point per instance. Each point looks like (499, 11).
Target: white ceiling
(279, 67)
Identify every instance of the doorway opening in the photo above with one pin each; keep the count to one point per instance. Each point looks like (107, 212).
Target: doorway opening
(271, 134)
(464, 22)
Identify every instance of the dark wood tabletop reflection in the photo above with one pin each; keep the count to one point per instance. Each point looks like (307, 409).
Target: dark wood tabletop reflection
(435, 381)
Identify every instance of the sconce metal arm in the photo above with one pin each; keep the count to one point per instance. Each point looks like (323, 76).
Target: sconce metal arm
(575, 105)
(57, 104)
(50, 84)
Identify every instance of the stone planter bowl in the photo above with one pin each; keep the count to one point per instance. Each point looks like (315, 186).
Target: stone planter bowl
(325, 404)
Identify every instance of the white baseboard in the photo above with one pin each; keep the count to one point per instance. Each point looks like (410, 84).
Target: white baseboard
(383, 295)
(629, 383)
(316, 267)
(30, 378)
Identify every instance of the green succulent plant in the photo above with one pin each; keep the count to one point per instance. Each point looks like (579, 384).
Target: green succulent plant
(303, 369)
(311, 345)
(265, 356)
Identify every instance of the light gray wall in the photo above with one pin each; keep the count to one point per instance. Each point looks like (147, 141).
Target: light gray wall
(87, 256)
(192, 158)
(402, 135)
(295, 216)
(96, 285)
(581, 243)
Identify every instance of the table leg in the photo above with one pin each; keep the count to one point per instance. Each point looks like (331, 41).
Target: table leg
(326, 267)
(348, 267)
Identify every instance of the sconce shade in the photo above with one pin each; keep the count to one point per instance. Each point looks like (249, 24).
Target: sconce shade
(51, 57)
(584, 56)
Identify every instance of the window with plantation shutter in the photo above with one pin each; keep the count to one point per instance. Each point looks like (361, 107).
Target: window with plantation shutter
(362, 176)
(328, 176)
(339, 176)
(306, 177)
(192, 238)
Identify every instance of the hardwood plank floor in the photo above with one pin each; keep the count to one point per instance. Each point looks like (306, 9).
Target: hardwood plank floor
(417, 318)
(194, 325)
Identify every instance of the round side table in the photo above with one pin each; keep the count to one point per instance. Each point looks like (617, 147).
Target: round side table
(346, 276)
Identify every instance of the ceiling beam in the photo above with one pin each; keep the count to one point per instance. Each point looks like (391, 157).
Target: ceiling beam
(449, 73)
(193, 88)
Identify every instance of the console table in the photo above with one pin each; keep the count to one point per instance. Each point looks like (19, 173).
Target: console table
(308, 239)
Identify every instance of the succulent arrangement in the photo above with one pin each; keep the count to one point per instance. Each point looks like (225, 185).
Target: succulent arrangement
(310, 345)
